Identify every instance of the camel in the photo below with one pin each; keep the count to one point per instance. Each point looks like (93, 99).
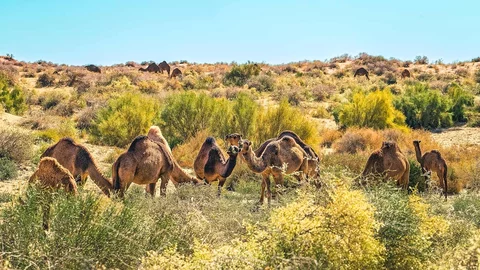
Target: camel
(405, 74)
(280, 156)
(152, 67)
(164, 66)
(93, 68)
(390, 162)
(313, 159)
(143, 163)
(175, 73)
(210, 164)
(432, 162)
(78, 160)
(178, 175)
(51, 175)
(361, 72)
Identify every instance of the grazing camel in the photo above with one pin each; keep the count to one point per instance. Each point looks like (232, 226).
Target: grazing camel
(143, 163)
(280, 156)
(361, 72)
(78, 160)
(432, 162)
(152, 67)
(178, 175)
(234, 139)
(313, 159)
(175, 73)
(164, 66)
(390, 162)
(51, 175)
(405, 74)
(210, 164)
(93, 68)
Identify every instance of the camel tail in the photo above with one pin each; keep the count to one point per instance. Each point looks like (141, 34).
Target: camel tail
(445, 179)
(115, 175)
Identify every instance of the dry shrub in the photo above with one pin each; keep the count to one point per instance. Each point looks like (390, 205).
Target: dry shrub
(357, 140)
(9, 74)
(186, 153)
(15, 144)
(149, 87)
(329, 136)
(322, 92)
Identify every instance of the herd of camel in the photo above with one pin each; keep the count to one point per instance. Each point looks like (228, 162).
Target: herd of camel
(152, 67)
(67, 164)
(363, 72)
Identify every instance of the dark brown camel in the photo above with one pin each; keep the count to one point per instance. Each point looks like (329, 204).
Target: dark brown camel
(164, 66)
(151, 68)
(432, 162)
(361, 72)
(175, 73)
(405, 74)
(93, 68)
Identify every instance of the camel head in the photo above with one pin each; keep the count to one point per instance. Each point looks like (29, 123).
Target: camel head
(389, 145)
(234, 139)
(233, 150)
(245, 147)
(416, 142)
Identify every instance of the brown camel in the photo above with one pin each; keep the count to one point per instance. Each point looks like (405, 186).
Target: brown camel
(93, 68)
(143, 163)
(210, 164)
(152, 67)
(178, 175)
(390, 162)
(432, 162)
(406, 74)
(176, 73)
(78, 160)
(361, 72)
(164, 66)
(51, 175)
(313, 159)
(280, 156)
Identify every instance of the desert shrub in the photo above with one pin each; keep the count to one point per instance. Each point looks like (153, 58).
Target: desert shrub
(460, 98)
(45, 80)
(15, 144)
(356, 140)
(421, 60)
(12, 100)
(284, 117)
(9, 75)
(149, 87)
(329, 136)
(389, 78)
(123, 119)
(66, 128)
(416, 180)
(424, 77)
(476, 76)
(373, 110)
(8, 169)
(322, 92)
(476, 59)
(321, 112)
(467, 206)
(424, 107)
(239, 74)
(262, 83)
(245, 112)
(85, 119)
(50, 99)
(462, 72)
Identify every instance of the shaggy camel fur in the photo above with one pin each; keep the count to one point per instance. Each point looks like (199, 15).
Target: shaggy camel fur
(361, 72)
(405, 74)
(210, 164)
(151, 68)
(175, 73)
(313, 159)
(93, 68)
(78, 160)
(432, 162)
(280, 156)
(51, 175)
(390, 162)
(178, 175)
(143, 163)
(164, 66)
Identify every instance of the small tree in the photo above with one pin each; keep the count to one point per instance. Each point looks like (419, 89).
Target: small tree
(12, 100)
(460, 98)
(239, 74)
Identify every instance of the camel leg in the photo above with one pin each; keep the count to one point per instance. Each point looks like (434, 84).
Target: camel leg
(163, 184)
(264, 184)
(150, 188)
(278, 183)
(221, 182)
(269, 191)
(443, 182)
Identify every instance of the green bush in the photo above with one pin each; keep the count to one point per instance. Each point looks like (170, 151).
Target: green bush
(245, 112)
(421, 60)
(460, 98)
(416, 180)
(8, 169)
(239, 74)
(424, 107)
(123, 119)
(374, 110)
(12, 100)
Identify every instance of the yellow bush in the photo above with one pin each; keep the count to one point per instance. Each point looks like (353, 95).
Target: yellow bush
(373, 110)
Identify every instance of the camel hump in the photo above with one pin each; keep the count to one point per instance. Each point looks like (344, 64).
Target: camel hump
(83, 159)
(50, 150)
(214, 157)
(210, 141)
(437, 153)
(135, 141)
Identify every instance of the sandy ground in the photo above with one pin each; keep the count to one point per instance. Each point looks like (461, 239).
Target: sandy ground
(457, 136)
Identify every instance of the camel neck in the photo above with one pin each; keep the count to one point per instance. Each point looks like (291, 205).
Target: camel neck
(230, 165)
(256, 164)
(418, 152)
(97, 177)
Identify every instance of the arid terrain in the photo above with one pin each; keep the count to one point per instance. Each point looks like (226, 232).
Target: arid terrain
(343, 117)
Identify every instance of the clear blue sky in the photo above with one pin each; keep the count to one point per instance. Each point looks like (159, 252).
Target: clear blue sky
(274, 31)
